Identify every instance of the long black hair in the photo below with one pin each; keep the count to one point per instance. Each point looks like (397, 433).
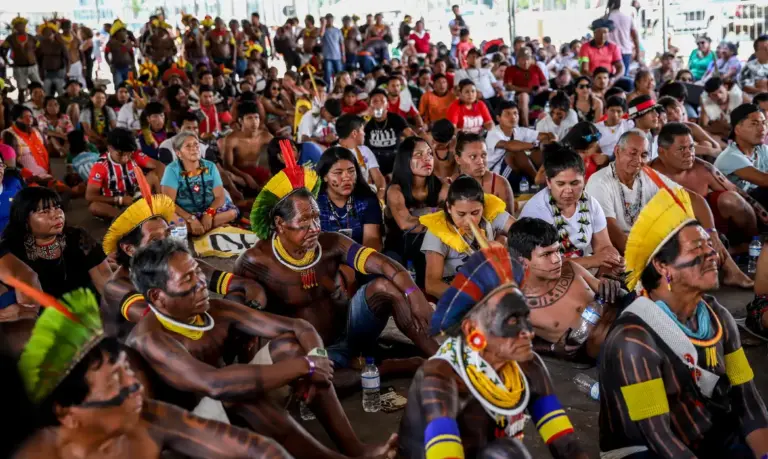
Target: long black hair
(464, 188)
(402, 175)
(335, 154)
(103, 109)
(24, 204)
(581, 136)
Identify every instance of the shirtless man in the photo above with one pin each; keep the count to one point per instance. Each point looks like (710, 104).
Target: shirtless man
(299, 267)
(98, 407)
(450, 411)
(72, 42)
(141, 224)
(220, 45)
(674, 112)
(194, 44)
(187, 337)
(119, 52)
(472, 159)
(558, 292)
(443, 143)
(309, 37)
(160, 47)
(734, 210)
(53, 57)
(22, 48)
(243, 147)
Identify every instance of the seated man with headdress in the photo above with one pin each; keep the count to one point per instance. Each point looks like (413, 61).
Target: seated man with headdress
(92, 404)
(674, 380)
(143, 222)
(187, 340)
(470, 399)
(299, 267)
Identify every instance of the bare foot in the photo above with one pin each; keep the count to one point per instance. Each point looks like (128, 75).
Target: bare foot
(736, 278)
(387, 450)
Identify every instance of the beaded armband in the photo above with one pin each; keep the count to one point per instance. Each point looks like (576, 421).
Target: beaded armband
(220, 281)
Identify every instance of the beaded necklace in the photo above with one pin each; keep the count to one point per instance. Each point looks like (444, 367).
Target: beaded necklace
(304, 266)
(638, 205)
(566, 246)
(194, 331)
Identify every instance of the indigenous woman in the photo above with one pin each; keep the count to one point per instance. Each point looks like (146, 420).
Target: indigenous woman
(468, 113)
(449, 240)
(584, 137)
(578, 217)
(54, 126)
(63, 257)
(473, 397)
(153, 129)
(347, 203)
(588, 106)
(413, 192)
(98, 119)
(196, 186)
(278, 109)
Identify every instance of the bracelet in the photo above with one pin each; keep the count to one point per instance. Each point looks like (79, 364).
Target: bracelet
(318, 352)
(410, 290)
(210, 211)
(711, 230)
(311, 366)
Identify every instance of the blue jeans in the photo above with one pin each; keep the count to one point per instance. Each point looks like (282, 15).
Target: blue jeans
(330, 68)
(363, 328)
(365, 63)
(120, 74)
(627, 59)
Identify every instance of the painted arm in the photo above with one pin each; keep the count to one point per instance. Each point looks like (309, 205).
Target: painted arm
(183, 432)
(401, 214)
(719, 182)
(440, 408)
(100, 274)
(616, 234)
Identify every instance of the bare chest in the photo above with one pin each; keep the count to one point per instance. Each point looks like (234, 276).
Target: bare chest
(129, 446)
(560, 308)
(211, 347)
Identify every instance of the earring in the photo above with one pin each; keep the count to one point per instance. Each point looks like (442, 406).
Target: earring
(669, 283)
(476, 341)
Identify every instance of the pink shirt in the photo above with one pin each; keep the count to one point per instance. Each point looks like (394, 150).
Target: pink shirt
(621, 33)
(603, 56)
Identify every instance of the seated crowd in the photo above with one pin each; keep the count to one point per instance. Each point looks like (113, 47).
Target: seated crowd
(494, 214)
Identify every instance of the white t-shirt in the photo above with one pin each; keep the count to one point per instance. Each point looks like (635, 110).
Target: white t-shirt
(609, 136)
(127, 118)
(368, 158)
(547, 125)
(607, 190)
(538, 207)
(306, 126)
(483, 79)
(496, 135)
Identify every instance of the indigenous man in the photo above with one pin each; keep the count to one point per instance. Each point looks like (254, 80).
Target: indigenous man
(299, 267)
(560, 293)
(119, 52)
(626, 187)
(242, 148)
(93, 404)
(143, 222)
(220, 45)
(674, 380)
(309, 37)
(53, 58)
(22, 47)
(160, 47)
(471, 397)
(72, 43)
(187, 338)
(472, 159)
(733, 209)
(194, 43)
(443, 143)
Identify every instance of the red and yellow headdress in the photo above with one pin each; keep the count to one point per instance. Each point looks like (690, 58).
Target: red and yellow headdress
(117, 26)
(175, 70)
(250, 47)
(18, 20)
(148, 69)
(207, 21)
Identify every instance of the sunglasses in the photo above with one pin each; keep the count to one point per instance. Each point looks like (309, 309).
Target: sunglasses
(701, 43)
(592, 137)
(583, 86)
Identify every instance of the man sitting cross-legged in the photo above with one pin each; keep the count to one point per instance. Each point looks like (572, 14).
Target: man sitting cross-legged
(187, 338)
(299, 267)
(560, 292)
(143, 222)
(470, 399)
(91, 403)
(733, 209)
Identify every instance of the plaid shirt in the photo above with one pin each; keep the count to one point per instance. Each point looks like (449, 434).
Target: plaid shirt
(351, 223)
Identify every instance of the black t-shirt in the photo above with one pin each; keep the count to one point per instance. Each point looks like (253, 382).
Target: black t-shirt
(383, 138)
(70, 271)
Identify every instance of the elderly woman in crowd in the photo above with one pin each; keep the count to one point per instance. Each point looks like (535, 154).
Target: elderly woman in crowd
(195, 184)
(578, 217)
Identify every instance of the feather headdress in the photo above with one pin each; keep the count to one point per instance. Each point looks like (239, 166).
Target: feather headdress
(207, 21)
(176, 69)
(252, 47)
(64, 333)
(438, 224)
(288, 180)
(18, 20)
(117, 26)
(148, 69)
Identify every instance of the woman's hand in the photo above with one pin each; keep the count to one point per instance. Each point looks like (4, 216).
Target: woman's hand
(207, 222)
(195, 227)
(609, 258)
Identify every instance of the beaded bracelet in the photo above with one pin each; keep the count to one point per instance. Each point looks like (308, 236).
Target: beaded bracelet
(311, 366)
(410, 290)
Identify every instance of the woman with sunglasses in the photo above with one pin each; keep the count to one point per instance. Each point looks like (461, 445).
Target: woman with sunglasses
(588, 106)
(701, 58)
(278, 109)
(578, 217)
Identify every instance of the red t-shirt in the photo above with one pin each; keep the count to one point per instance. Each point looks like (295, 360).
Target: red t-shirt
(469, 119)
(603, 56)
(117, 179)
(421, 44)
(461, 52)
(394, 107)
(359, 107)
(210, 122)
(524, 78)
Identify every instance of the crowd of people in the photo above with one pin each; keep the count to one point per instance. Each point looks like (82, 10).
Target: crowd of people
(499, 203)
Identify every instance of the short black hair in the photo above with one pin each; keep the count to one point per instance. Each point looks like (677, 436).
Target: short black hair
(559, 157)
(615, 91)
(347, 124)
(465, 138)
(377, 92)
(528, 233)
(506, 105)
(667, 102)
(600, 70)
(34, 85)
(671, 130)
(18, 110)
(205, 88)
(122, 140)
(758, 40)
(650, 278)
(464, 188)
(149, 265)
(560, 100)
(153, 108)
(247, 108)
(713, 84)
(760, 98)
(273, 151)
(190, 116)
(464, 83)
(77, 143)
(443, 131)
(674, 89)
(333, 106)
(616, 101)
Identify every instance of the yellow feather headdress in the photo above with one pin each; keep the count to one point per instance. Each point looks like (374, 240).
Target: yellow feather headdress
(659, 221)
(150, 69)
(117, 26)
(251, 47)
(18, 20)
(134, 216)
(207, 21)
(438, 224)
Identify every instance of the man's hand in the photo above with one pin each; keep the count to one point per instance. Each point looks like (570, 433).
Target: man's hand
(127, 201)
(422, 311)
(609, 258)
(207, 222)
(545, 137)
(609, 289)
(564, 350)
(195, 227)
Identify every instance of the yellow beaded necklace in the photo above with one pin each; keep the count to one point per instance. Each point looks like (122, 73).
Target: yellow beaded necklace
(308, 257)
(507, 397)
(194, 330)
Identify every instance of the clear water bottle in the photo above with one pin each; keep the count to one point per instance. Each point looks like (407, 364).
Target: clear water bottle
(546, 107)
(412, 270)
(754, 253)
(305, 413)
(179, 231)
(371, 386)
(589, 318)
(524, 187)
(587, 385)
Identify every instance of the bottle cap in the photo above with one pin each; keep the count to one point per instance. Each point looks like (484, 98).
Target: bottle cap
(369, 361)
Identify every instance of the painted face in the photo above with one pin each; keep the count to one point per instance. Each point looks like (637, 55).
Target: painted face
(423, 160)
(474, 159)
(696, 265)
(463, 212)
(304, 229)
(566, 187)
(186, 293)
(341, 178)
(509, 329)
(48, 220)
(546, 262)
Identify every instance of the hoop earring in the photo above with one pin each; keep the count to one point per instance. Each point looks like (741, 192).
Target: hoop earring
(669, 283)
(476, 341)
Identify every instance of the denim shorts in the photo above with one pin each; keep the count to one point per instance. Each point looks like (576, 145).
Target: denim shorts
(363, 328)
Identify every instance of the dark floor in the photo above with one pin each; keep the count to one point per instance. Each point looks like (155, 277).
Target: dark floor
(583, 412)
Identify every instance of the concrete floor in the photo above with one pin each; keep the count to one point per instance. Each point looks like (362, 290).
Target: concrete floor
(583, 412)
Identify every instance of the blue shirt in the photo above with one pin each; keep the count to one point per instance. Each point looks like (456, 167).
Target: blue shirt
(11, 185)
(83, 163)
(193, 193)
(732, 160)
(350, 222)
(332, 41)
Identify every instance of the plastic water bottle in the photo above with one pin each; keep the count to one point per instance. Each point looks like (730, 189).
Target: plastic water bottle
(587, 385)
(755, 247)
(305, 413)
(589, 318)
(546, 107)
(179, 231)
(524, 187)
(371, 387)
(412, 270)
